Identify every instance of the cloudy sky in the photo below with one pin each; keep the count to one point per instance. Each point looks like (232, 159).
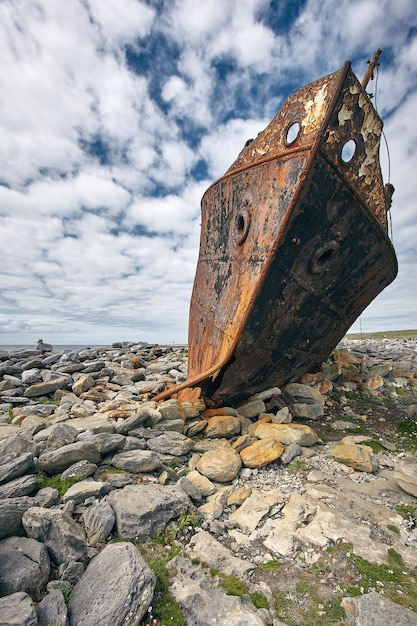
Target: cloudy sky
(116, 115)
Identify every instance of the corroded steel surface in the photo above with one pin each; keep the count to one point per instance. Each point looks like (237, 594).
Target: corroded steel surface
(293, 244)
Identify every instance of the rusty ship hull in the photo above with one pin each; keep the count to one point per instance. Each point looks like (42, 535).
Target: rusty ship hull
(293, 246)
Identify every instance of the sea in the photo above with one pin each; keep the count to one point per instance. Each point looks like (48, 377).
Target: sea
(57, 348)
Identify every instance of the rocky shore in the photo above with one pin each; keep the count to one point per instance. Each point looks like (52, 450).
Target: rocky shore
(297, 507)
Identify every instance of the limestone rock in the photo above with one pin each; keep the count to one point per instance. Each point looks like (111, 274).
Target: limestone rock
(24, 566)
(47, 387)
(255, 508)
(251, 408)
(56, 461)
(287, 433)
(11, 512)
(132, 422)
(205, 547)
(172, 425)
(63, 537)
(308, 401)
(261, 453)
(171, 443)
(23, 486)
(96, 423)
(204, 601)
(61, 434)
(283, 416)
(202, 483)
(358, 456)
(290, 453)
(137, 461)
(221, 465)
(18, 609)
(144, 510)
(190, 488)
(82, 490)
(80, 470)
(222, 426)
(172, 409)
(117, 587)
(83, 383)
(374, 609)
(405, 475)
(106, 443)
(52, 609)
(17, 444)
(98, 522)
(15, 465)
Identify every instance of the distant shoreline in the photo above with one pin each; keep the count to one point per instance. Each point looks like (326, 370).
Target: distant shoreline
(376, 336)
(385, 334)
(82, 346)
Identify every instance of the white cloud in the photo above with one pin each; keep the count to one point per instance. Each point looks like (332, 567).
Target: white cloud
(96, 151)
(221, 148)
(122, 22)
(171, 214)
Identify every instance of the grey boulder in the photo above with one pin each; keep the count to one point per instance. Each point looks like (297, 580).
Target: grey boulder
(24, 566)
(56, 461)
(63, 537)
(142, 511)
(374, 609)
(17, 609)
(116, 589)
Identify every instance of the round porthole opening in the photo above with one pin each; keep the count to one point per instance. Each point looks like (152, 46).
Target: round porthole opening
(348, 151)
(293, 131)
(323, 258)
(242, 226)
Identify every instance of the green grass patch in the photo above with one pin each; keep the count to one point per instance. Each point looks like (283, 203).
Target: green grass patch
(298, 465)
(164, 606)
(408, 430)
(360, 425)
(394, 557)
(398, 582)
(259, 601)
(319, 613)
(282, 605)
(375, 445)
(165, 609)
(393, 529)
(270, 566)
(360, 402)
(232, 585)
(407, 511)
(56, 482)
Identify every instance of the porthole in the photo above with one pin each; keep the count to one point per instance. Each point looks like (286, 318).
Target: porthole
(242, 226)
(348, 150)
(323, 258)
(293, 131)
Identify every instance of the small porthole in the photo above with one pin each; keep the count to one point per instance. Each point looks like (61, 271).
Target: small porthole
(348, 151)
(292, 133)
(323, 258)
(242, 226)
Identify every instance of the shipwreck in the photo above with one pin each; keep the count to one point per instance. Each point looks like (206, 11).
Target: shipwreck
(294, 244)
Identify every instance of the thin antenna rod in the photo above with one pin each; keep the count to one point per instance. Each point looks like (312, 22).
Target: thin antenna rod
(373, 63)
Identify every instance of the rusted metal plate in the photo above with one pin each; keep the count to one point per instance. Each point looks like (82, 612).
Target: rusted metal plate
(293, 244)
